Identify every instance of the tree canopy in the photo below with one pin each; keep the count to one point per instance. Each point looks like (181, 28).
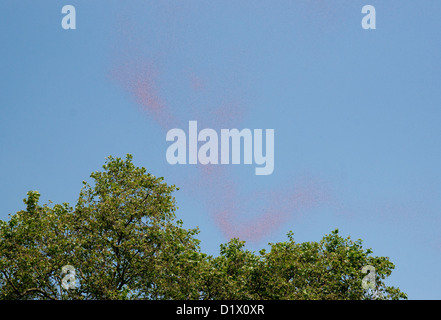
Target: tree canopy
(122, 240)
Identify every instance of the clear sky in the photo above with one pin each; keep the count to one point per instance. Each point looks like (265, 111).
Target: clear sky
(356, 114)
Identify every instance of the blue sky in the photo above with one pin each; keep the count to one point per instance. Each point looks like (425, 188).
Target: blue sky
(356, 111)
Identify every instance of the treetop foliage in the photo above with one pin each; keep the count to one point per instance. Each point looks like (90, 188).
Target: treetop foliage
(124, 242)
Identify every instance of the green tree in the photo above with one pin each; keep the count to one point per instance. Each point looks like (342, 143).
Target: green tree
(122, 238)
(330, 269)
(124, 242)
